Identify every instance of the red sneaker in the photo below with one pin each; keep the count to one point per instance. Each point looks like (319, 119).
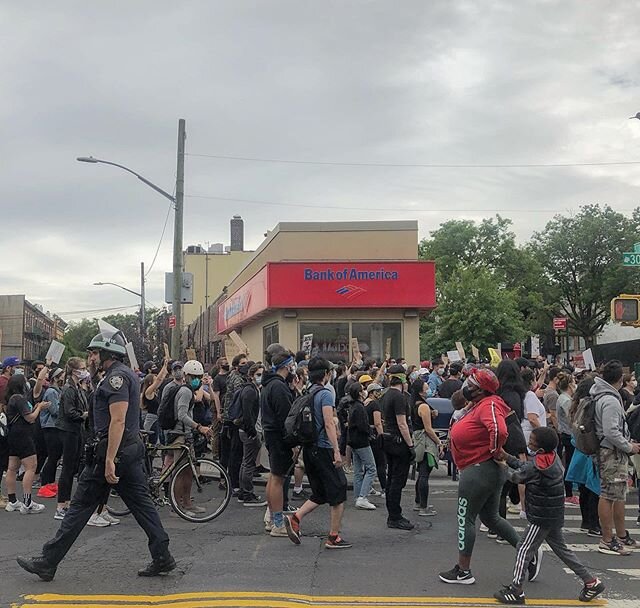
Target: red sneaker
(48, 491)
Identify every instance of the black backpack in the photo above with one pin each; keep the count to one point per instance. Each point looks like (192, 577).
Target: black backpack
(167, 409)
(584, 425)
(300, 424)
(633, 422)
(234, 413)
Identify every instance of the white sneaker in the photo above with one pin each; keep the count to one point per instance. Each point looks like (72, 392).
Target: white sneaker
(114, 521)
(513, 509)
(483, 528)
(363, 503)
(98, 521)
(374, 492)
(34, 507)
(13, 506)
(523, 515)
(279, 532)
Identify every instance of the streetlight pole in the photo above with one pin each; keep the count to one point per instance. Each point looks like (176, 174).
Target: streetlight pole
(178, 205)
(135, 293)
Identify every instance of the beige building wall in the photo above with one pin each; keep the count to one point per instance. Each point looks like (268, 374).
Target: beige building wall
(212, 272)
(328, 241)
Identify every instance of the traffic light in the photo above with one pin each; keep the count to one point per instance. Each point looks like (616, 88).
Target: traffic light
(625, 309)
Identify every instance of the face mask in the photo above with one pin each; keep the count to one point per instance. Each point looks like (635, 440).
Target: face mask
(178, 374)
(405, 366)
(334, 374)
(413, 376)
(258, 379)
(19, 371)
(226, 368)
(196, 383)
(532, 452)
(468, 393)
(440, 371)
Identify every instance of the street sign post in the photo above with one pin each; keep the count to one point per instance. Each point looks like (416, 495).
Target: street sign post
(560, 323)
(632, 258)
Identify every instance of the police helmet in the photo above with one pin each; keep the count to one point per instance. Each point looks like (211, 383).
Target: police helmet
(114, 344)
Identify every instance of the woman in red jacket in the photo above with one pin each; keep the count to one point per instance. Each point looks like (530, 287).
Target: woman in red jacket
(475, 439)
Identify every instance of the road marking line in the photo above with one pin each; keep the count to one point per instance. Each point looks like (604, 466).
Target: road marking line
(579, 531)
(511, 516)
(264, 600)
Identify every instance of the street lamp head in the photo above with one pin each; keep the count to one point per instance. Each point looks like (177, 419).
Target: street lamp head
(87, 159)
(98, 283)
(636, 116)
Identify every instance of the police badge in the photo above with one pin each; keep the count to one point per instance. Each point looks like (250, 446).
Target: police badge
(116, 382)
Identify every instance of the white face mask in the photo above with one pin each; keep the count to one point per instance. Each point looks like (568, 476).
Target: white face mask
(258, 379)
(334, 374)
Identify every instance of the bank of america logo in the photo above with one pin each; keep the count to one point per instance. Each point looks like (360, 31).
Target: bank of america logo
(350, 291)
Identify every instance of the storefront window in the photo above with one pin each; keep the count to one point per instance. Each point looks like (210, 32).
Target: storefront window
(270, 335)
(330, 340)
(372, 339)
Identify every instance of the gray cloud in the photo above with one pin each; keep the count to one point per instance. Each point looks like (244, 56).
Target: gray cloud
(462, 82)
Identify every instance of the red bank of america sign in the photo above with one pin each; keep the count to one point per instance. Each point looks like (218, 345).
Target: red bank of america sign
(331, 285)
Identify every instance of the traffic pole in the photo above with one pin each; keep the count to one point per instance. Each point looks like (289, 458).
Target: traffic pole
(176, 334)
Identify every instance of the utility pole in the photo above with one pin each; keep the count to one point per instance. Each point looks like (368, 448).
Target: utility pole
(143, 320)
(176, 307)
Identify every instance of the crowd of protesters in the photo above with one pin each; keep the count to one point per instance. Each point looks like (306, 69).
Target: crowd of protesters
(512, 439)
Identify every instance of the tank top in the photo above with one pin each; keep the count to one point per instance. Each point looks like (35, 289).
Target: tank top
(418, 425)
(151, 405)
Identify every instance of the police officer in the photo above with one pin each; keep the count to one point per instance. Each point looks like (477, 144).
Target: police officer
(118, 462)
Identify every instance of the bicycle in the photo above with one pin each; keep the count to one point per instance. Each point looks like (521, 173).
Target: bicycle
(209, 479)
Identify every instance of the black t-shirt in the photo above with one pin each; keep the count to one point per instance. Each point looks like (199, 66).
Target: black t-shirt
(119, 384)
(219, 385)
(448, 387)
(372, 407)
(394, 404)
(18, 407)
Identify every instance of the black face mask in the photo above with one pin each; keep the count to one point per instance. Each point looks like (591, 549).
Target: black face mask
(468, 393)
(226, 368)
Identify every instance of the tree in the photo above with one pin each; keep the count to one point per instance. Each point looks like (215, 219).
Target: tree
(473, 308)
(582, 260)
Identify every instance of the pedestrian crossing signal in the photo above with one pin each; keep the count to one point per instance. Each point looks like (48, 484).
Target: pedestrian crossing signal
(625, 309)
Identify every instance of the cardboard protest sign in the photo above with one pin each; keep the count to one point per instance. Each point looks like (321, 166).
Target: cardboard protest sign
(475, 352)
(589, 361)
(387, 350)
(355, 350)
(454, 355)
(191, 354)
(56, 349)
(307, 343)
(460, 350)
(495, 357)
(237, 340)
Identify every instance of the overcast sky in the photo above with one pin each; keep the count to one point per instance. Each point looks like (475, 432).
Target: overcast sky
(366, 82)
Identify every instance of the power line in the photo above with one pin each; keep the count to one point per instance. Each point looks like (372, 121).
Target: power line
(321, 207)
(419, 165)
(155, 257)
(95, 310)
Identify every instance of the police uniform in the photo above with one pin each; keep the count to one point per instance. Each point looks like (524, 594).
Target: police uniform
(119, 384)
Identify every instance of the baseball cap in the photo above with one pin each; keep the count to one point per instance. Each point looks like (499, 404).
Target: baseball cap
(425, 364)
(374, 387)
(522, 362)
(11, 361)
(396, 369)
(177, 364)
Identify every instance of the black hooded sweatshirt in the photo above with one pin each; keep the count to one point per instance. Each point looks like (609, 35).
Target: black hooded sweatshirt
(275, 402)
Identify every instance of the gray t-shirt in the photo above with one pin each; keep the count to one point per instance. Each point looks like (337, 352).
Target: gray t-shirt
(563, 405)
(183, 409)
(550, 399)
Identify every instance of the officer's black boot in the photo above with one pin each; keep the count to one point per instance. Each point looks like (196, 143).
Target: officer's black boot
(159, 566)
(37, 565)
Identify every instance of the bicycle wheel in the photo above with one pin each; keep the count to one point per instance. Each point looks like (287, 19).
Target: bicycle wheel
(210, 490)
(115, 505)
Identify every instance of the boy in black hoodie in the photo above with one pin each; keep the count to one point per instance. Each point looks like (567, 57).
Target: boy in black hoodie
(544, 499)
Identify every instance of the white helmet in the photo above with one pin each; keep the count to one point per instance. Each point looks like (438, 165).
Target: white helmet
(193, 368)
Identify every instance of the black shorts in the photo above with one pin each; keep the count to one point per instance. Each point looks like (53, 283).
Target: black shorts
(4, 455)
(328, 482)
(21, 443)
(280, 455)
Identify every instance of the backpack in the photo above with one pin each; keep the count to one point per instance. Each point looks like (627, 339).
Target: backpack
(300, 424)
(633, 422)
(234, 413)
(5, 424)
(584, 425)
(167, 418)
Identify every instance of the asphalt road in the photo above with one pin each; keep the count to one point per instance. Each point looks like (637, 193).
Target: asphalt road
(232, 554)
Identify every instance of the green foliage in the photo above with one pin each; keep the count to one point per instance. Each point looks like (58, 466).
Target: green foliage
(581, 256)
(474, 308)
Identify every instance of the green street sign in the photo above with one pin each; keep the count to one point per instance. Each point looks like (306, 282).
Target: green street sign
(636, 248)
(631, 258)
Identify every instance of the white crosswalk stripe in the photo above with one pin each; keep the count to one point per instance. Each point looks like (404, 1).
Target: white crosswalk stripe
(630, 572)
(632, 531)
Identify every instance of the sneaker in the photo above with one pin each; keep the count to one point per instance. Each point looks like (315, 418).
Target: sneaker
(335, 542)
(113, 521)
(457, 576)
(628, 542)
(34, 507)
(47, 491)
(260, 469)
(158, 567)
(13, 506)
(279, 531)
(523, 515)
(300, 496)
(235, 493)
(60, 513)
(293, 529)
(347, 469)
(37, 565)
(97, 521)
(513, 509)
(384, 495)
(510, 595)
(241, 498)
(591, 590)
(195, 509)
(483, 528)
(374, 492)
(535, 565)
(290, 509)
(268, 526)
(595, 532)
(255, 501)
(502, 541)
(572, 501)
(416, 506)
(428, 512)
(492, 534)
(363, 503)
(615, 547)
(400, 524)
